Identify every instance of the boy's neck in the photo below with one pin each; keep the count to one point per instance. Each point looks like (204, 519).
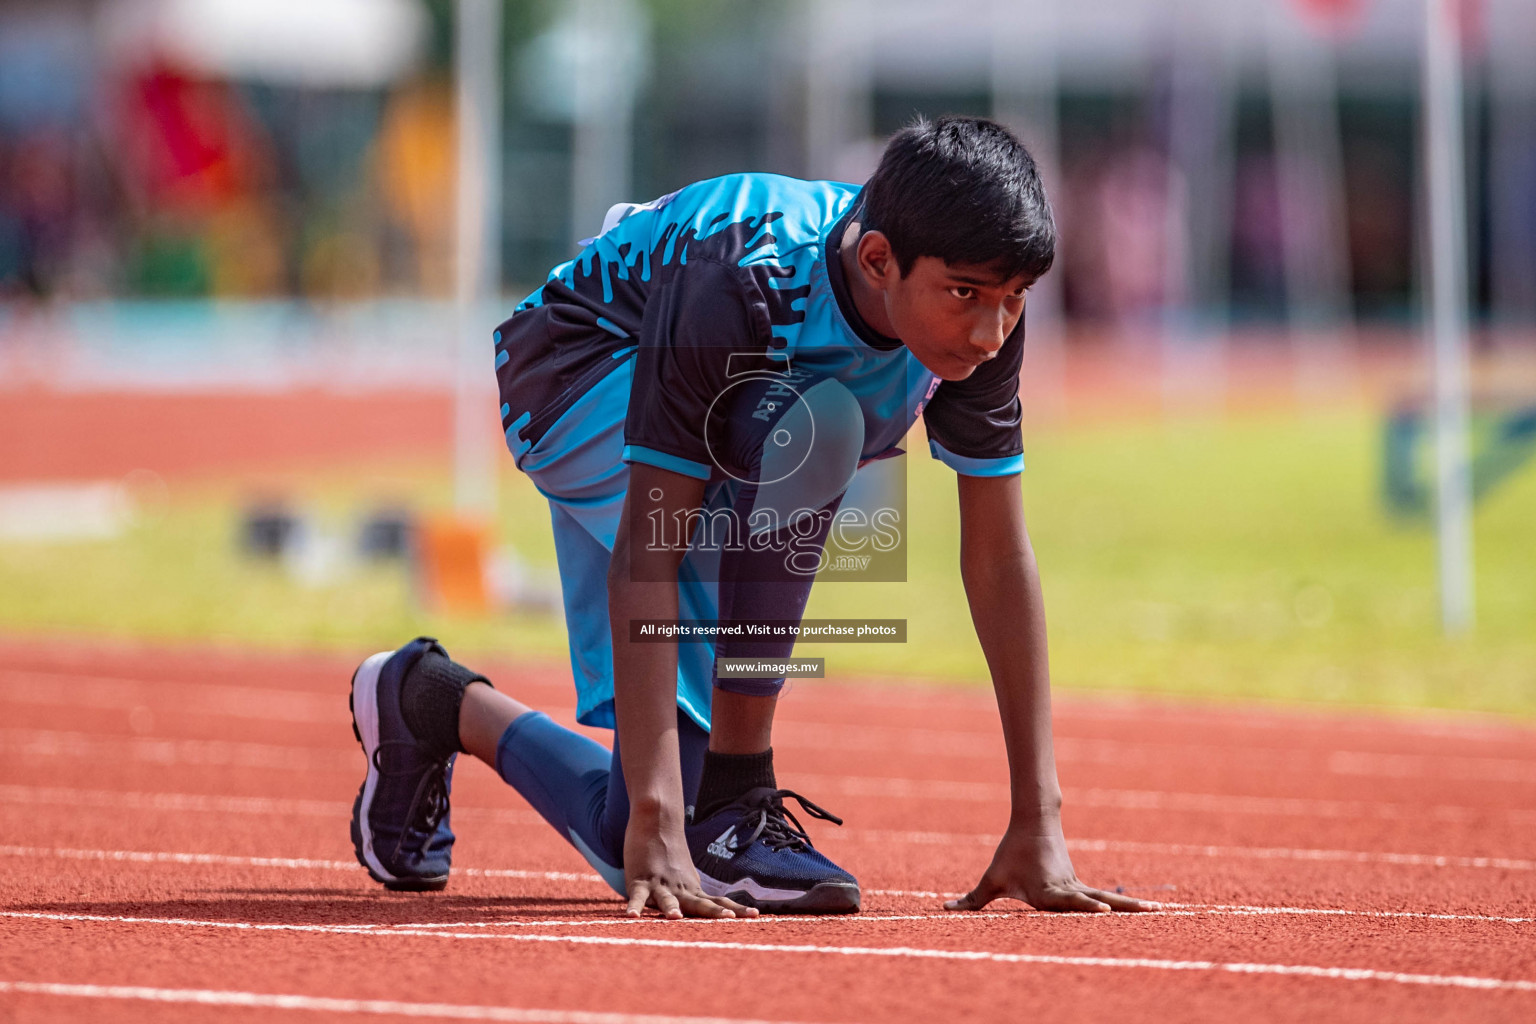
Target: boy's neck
(867, 299)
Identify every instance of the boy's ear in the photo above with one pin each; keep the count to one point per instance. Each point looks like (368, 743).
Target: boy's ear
(876, 260)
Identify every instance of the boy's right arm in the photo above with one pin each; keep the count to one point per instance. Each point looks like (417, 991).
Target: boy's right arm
(642, 584)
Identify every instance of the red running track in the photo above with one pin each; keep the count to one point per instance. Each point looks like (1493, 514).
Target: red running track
(51, 435)
(175, 848)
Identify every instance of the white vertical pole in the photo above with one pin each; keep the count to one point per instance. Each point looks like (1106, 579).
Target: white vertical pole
(1025, 88)
(477, 264)
(1512, 193)
(839, 82)
(602, 140)
(1447, 318)
(1314, 236)
(1197, 225)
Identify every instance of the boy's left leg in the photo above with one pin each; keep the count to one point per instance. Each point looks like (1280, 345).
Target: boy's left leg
(745, 843)
(741, 723)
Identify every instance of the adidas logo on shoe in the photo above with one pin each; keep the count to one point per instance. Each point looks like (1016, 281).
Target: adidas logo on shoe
(725, 845)
(755, 852)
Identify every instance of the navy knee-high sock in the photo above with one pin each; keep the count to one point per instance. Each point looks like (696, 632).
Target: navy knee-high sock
(577, 785)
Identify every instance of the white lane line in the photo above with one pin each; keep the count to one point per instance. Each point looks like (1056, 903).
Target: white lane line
(1169, 910)
(911, 838)
(300, 863)
(197, 753)
(291, 863)
(239, 926)
(722, 922)
(289, 706)
(374, 1007)
(1289, 853)
(1416, 766)
(73, 690)
(1154, 800)
(1196, 850)
(895, 952)
(1150, 754)
(60, 796)
(1241, 910)
(1118, 799)
(1157, 800)
(36, 743)
(894, 693)
(43, 687)
(1158, 709)
(320, 864)
(1205, 910)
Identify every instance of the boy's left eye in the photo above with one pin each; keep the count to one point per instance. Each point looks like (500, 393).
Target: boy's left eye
(962, 292)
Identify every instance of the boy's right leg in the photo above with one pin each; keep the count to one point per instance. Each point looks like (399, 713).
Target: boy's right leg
(400, 829)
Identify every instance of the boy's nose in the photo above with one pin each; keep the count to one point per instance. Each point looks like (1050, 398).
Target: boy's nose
(990, 333)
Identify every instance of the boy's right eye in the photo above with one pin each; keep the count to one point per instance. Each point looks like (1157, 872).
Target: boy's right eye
(963, 292)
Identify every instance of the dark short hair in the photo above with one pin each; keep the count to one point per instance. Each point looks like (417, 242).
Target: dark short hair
(963, 189)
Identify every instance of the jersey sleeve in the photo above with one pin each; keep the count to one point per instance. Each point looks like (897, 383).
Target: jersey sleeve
(694, 323)
(975, 425)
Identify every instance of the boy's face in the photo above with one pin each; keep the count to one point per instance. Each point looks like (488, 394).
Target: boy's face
(952, 317)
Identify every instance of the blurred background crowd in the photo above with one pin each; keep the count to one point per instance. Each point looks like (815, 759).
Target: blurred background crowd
(1253, 160)
(249, 270)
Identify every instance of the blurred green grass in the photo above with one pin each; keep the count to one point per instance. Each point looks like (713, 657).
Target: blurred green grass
(1246, 557)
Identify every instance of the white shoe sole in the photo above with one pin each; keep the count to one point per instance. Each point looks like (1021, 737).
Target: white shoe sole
(365, 720)
(822, 898)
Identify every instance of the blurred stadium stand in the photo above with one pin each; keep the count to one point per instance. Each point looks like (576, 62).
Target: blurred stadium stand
(205, 193)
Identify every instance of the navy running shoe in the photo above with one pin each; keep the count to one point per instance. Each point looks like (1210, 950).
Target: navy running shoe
(400, 817)
(755, 852)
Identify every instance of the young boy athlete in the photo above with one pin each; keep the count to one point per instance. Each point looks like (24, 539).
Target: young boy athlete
(693, 393)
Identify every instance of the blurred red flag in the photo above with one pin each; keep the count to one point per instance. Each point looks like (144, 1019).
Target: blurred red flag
(1340, 16)
(1467, 18)
(1335, 16)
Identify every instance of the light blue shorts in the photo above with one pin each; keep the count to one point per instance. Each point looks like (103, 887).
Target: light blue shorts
(585, 484)
(578, 465)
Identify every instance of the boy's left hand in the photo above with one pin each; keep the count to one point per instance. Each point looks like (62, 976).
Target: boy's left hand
(1032, 865)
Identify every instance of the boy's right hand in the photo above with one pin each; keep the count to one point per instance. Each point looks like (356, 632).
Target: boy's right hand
(659, 872)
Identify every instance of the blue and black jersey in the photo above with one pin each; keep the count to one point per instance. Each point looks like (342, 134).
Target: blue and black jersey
(728, 277)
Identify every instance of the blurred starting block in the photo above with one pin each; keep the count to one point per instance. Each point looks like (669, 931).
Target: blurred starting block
(455, 567)
(1503, 437)
(458, 571)
(452, 565)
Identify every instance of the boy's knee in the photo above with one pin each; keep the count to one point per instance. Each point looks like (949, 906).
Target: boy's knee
(809, 456)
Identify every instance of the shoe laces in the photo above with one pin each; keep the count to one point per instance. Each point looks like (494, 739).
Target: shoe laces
(777, 825)
(430, 801)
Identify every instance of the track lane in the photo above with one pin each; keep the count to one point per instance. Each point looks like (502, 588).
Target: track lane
(880, 984)
(965, 712)
(1143, 795)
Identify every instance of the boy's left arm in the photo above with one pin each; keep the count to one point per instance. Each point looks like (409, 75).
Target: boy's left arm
(1002, 585)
